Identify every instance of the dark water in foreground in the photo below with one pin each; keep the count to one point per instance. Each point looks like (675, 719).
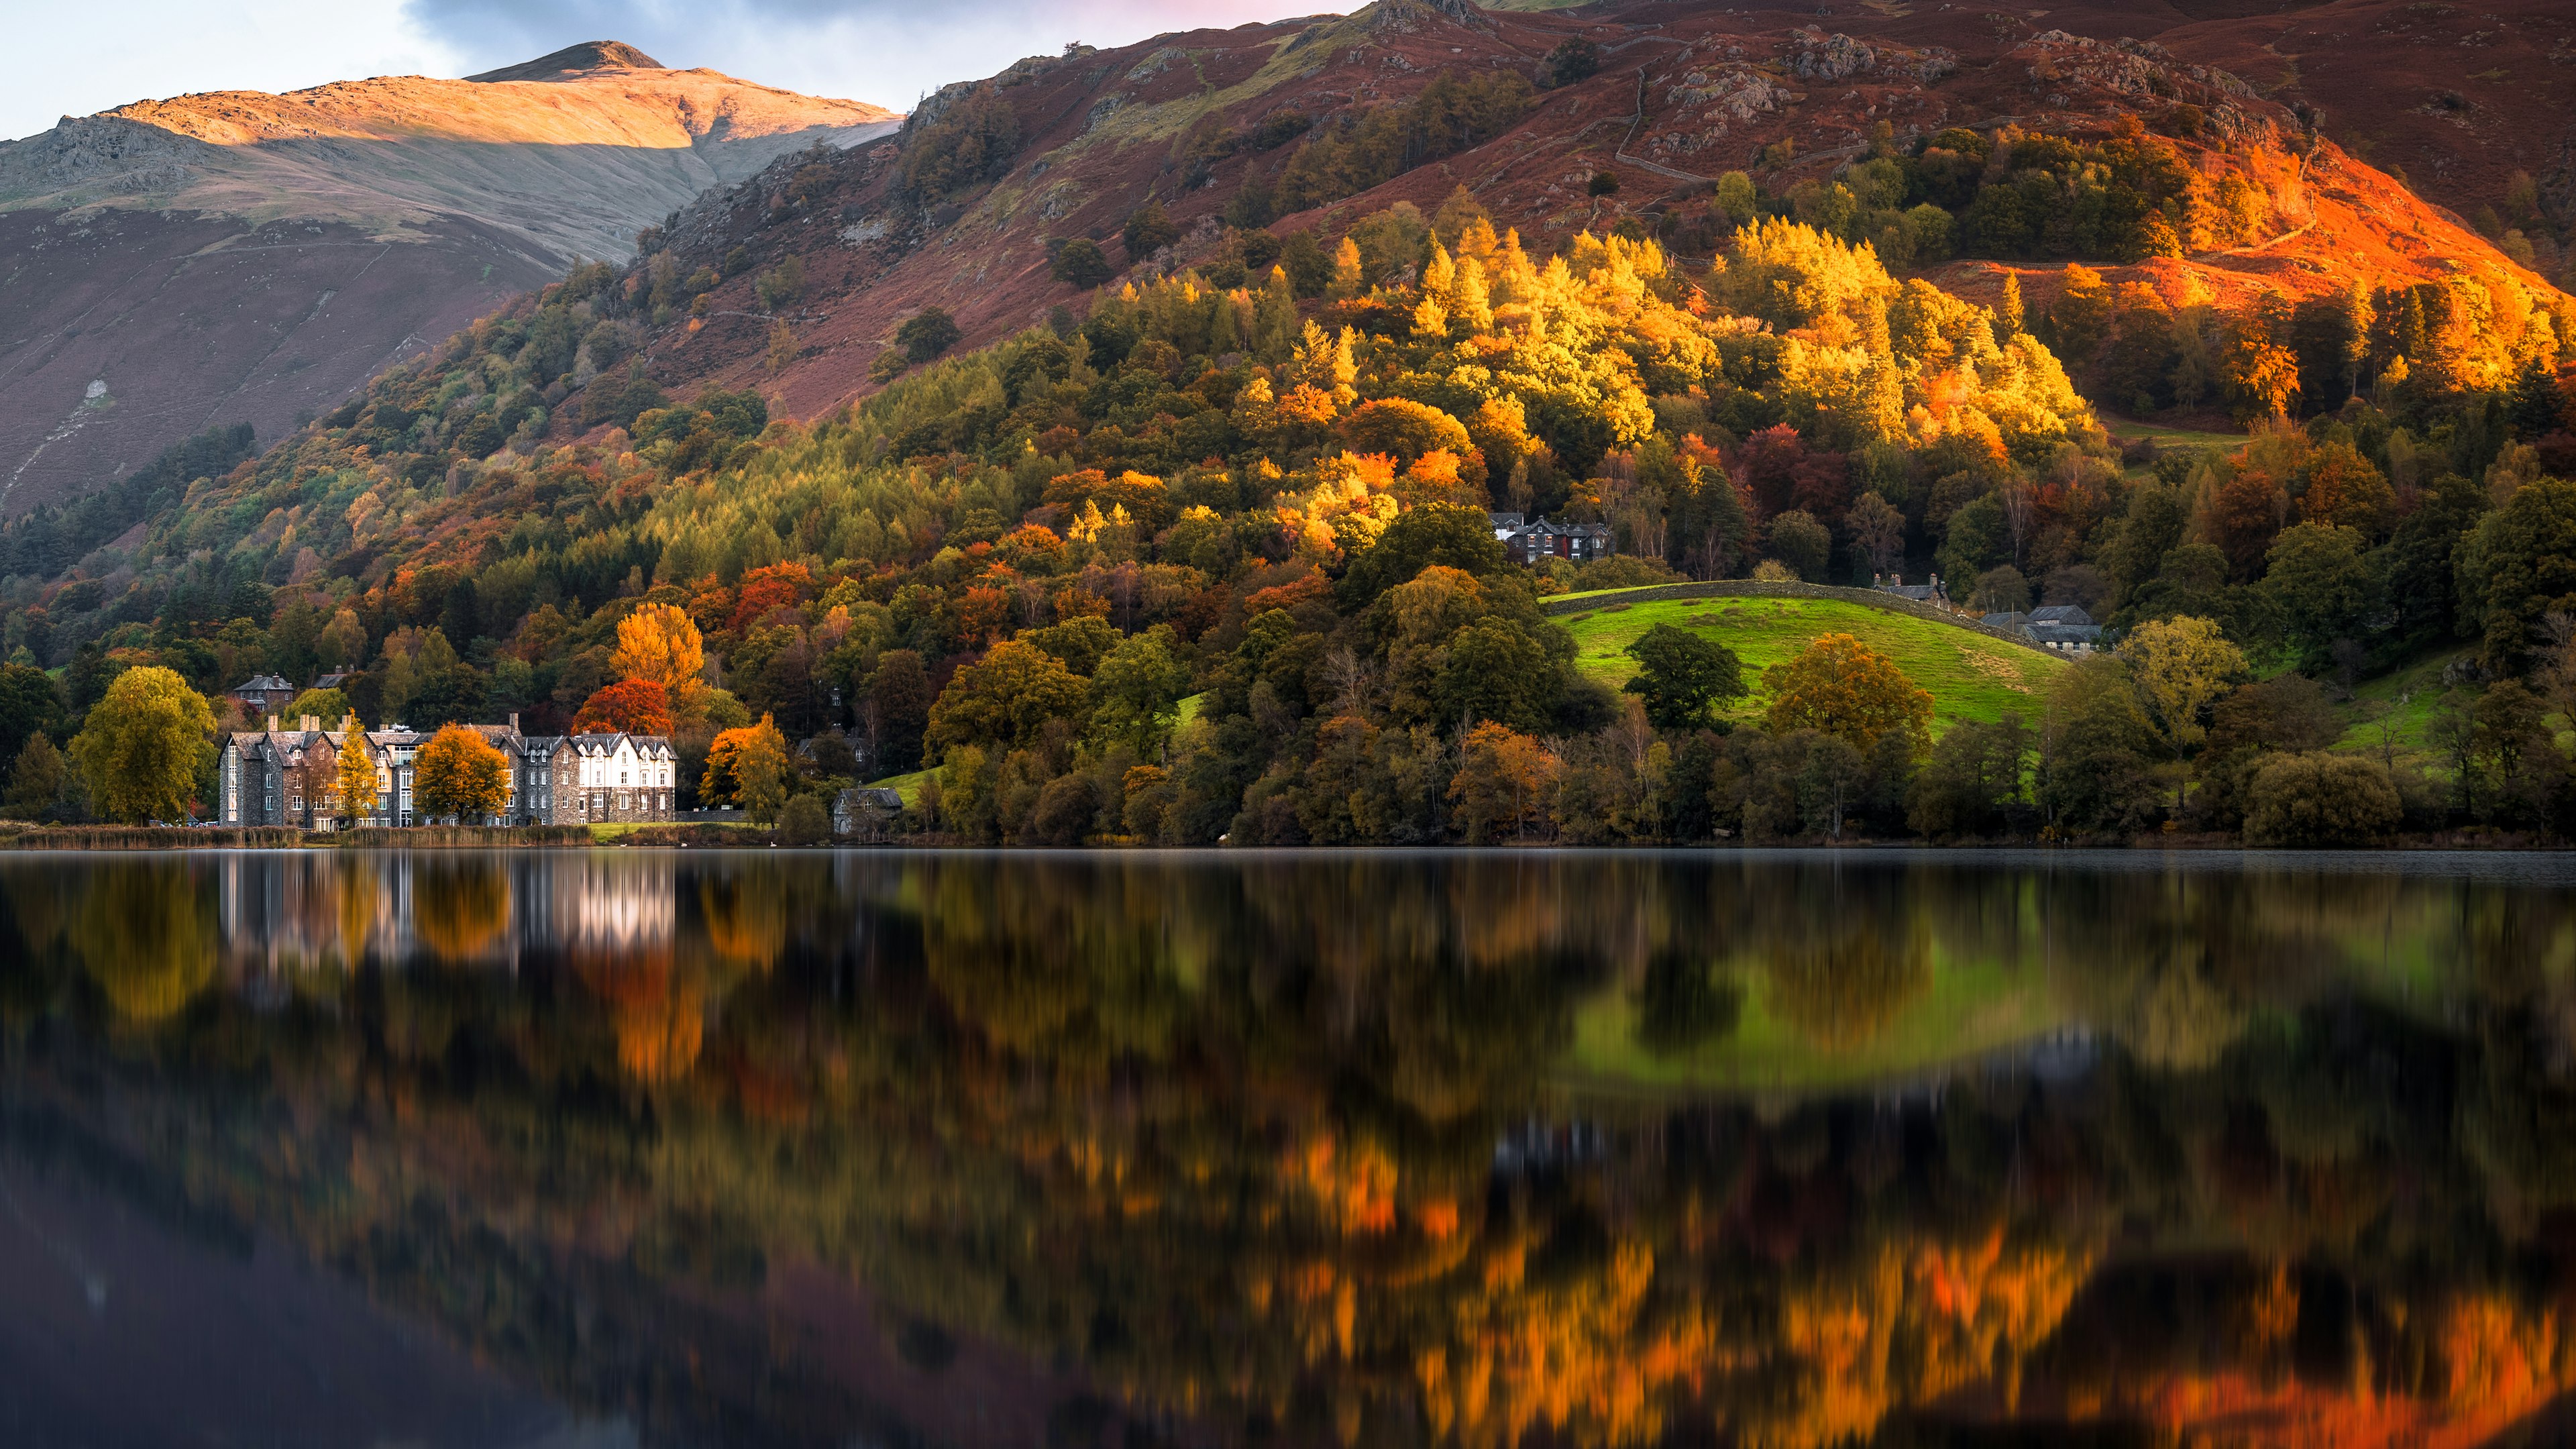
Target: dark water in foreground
(775, 1148)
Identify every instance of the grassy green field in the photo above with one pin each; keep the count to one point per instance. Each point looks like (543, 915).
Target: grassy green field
(906, 786)
(1971, 676)
(1964, 1009)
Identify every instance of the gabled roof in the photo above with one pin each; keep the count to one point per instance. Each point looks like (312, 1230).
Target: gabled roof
(264, 683)
(2060, 614)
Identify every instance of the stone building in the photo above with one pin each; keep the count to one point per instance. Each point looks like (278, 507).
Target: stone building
(285, 777)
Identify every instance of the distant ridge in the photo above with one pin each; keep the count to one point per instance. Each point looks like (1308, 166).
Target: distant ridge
(573, 60)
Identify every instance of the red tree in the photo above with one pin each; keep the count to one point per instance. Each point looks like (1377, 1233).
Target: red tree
(630, 706)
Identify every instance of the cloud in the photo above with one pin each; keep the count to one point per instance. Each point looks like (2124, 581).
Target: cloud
(887, 51)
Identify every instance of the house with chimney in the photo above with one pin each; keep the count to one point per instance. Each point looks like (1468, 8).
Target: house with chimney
(279, 776)
(1527, 542)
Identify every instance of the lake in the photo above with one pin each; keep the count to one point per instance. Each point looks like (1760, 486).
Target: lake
(1770, 1149)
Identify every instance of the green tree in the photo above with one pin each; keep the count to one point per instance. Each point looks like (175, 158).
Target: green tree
(1006, 698)
(144, 746)
(926, 334)
(39, 779)
(1973, 777)
(2320, 584)
(2320, 799)
(2516, 565)
(1148, 229)
(29, 705)
(2178, 668)
(1081, 263)
(1682, 678)
(2096, 770)
(804, 821)
(1136, 692)
(459, 774)
(1802, 542)
(326, 705)
(1440, 533)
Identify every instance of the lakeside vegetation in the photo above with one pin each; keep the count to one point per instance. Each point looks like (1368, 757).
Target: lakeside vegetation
(999, 578)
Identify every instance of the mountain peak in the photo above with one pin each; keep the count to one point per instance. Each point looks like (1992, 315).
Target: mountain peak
(574, 60)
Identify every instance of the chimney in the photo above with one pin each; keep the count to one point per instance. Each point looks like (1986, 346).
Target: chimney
(272, 724)
(514, 722)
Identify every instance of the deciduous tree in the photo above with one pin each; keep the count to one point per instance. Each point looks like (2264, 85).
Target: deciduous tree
(1840, 687)
(1006, 697)
(1502, 785)
(459, 774)
(2179, 667)
(659, 642)
(630, 706)
(144, 746)
(1682, 678)
(354, 786)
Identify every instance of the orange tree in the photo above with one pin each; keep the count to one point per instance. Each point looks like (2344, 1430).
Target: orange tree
(630, 706)
(1840, 687)
(747, 767)
(457, 773)
(1503, 783)
(659, 642)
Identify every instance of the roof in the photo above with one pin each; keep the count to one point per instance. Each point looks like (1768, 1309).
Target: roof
(264, 683)
(2012, 619)
(878, 797)
(2060, 614)
(2065, 633)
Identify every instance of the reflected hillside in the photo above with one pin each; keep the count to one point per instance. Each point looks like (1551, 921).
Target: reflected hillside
(1410, 1149)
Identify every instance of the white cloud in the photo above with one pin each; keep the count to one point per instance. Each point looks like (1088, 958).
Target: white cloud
(886, 51)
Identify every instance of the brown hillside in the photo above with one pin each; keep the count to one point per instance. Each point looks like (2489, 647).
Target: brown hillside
(1684, 93)
(239, 255)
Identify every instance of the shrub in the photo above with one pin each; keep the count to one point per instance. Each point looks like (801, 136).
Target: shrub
(1604, 183)
(1065, 811)
(1574, 59)
(1081, 263)
(1803, 543)
(926, 334)
(1148, 230)
(2320, 800)
(781, 284)
(804, 822)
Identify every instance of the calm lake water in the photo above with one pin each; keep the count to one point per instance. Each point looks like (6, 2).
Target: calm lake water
(1487, 1149)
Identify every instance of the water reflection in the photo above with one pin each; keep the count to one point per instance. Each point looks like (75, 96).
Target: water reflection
(1361, 1148)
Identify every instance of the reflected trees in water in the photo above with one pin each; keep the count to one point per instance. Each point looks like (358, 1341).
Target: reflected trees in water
(1326, 1143)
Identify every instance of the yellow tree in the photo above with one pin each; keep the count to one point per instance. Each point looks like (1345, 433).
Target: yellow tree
(353, 784)
(457, 773)
(1841, 687)
(1504, 781)
(144, 746)
(748, 766)
(2179, 667)
(659, 642)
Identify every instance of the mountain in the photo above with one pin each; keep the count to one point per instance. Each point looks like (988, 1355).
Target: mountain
(236, 255)
(1309, 124)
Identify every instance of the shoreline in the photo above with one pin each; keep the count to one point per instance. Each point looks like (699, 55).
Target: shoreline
(153, 839)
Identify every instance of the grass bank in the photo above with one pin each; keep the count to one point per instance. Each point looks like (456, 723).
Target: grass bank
(1972, 674)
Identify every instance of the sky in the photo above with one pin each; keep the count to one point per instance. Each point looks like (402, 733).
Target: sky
(887, 51)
